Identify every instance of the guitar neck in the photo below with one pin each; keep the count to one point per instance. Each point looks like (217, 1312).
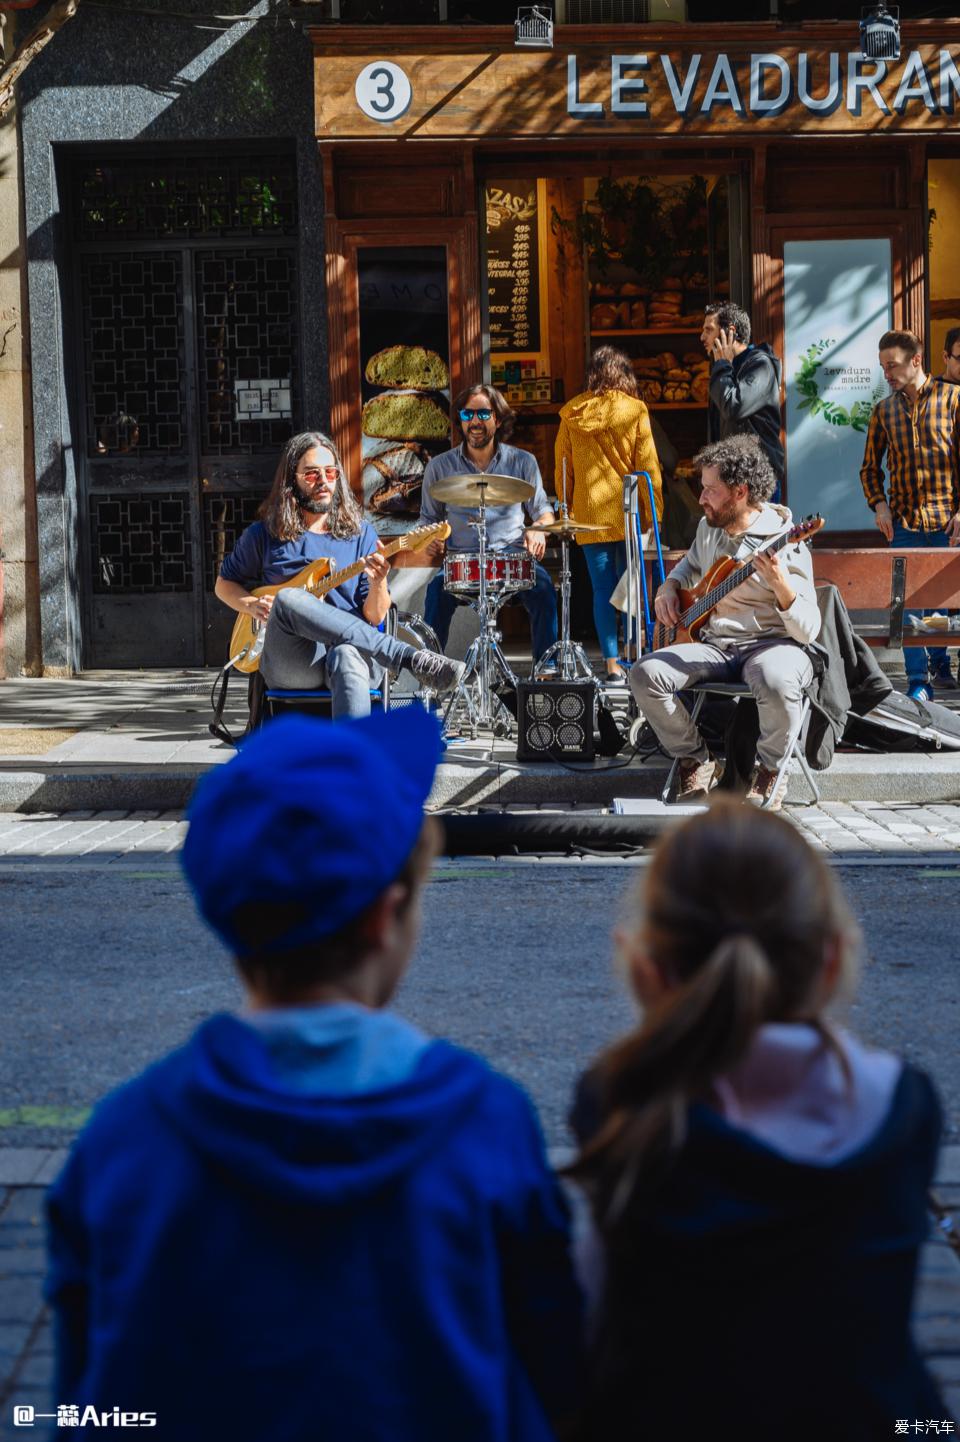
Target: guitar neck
(337, 578)
(723, 588)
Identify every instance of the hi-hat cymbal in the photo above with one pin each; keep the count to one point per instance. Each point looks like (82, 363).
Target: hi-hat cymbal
(468, 488)
(564, 529)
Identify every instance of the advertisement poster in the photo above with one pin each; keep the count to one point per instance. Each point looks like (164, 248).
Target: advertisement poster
(837, 305)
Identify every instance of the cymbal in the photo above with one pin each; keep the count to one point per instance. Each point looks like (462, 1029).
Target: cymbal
(564, 529)
(467, 488)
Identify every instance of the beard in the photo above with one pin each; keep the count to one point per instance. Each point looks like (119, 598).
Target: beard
(314, 505)
(722, 517)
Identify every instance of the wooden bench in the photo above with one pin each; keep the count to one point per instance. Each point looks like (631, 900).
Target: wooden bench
(881, 587)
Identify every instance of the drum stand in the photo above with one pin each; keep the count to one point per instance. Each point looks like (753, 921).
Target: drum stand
(569, 655)
(484, 658)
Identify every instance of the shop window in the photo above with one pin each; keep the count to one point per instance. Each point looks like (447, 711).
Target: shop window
(404, 376)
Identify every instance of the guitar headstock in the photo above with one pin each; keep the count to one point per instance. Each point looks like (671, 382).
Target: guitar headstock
(423, 535)
(808, 527)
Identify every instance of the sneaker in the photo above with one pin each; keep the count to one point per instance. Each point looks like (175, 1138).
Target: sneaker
(762, 786)
(921, 692)
(437, 672)
(697, 778)
(942, 678)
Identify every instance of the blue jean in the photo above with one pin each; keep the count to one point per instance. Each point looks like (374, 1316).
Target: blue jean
(312, 645)
(918, 660)
(539, 602)
(606, 562)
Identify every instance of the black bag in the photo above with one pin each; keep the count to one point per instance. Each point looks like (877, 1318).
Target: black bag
(256, 688)
(899, 723)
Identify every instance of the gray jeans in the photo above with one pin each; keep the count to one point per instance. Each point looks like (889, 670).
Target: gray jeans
(775, 671)
(311, 644)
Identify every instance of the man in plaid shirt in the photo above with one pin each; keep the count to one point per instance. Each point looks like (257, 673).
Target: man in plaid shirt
(915, 434)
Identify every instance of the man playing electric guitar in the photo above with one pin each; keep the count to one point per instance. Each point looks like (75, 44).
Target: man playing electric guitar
(330, 641)
(755, 634)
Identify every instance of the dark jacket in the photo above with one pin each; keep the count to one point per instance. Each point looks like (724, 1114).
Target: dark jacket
(745, 400)
(256, 1263)
(757, 1297)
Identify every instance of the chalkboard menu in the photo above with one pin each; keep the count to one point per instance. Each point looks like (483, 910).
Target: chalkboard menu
(513, 268)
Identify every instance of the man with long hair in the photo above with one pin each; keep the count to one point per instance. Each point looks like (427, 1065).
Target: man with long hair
(331, 641)
(481, 423)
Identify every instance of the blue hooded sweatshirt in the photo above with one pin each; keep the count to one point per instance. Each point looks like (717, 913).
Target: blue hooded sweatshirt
(250, 1261)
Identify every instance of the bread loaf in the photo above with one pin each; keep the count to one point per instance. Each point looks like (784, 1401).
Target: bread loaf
(603, 316)
(650, 390)
(402, 416)
(408, 367)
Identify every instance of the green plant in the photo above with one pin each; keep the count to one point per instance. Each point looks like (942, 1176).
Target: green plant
(858, 416)
(644, 224)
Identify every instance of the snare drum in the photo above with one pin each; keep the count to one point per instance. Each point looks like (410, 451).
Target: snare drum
(505, 571)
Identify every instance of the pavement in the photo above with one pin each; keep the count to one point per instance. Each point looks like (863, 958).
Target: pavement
(138, 741)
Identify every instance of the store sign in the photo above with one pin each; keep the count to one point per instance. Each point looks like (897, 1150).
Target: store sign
(643, 92)
(837, 305)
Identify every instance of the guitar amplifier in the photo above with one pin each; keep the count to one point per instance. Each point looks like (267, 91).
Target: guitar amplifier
(555, 720)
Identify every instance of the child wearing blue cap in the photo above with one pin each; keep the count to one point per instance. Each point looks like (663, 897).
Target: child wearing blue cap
(312, 1221)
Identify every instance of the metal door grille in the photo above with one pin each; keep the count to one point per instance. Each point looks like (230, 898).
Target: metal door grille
(132, 307)
(154, 198)
(225, 515)
(141, 543)
(248, 340)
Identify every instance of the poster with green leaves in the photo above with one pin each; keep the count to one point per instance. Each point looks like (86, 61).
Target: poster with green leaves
(837, 304)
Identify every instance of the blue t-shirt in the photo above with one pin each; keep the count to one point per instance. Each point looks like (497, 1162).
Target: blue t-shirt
(259, 560)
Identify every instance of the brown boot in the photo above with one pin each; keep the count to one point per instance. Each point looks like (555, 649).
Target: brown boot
(697, 778)
(762, 788)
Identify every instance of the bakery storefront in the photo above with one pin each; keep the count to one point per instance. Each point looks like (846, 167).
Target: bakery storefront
(493, 213)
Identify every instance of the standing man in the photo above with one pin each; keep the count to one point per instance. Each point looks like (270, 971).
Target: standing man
(331, 641)
(744, 384)
(756, 634)
(482, 422)
(914, 433)
(951, 356)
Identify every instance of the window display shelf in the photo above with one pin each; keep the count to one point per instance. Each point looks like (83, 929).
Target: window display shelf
(653, 330)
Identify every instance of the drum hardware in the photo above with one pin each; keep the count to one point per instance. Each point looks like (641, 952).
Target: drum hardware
(568, 656)
(485, 659)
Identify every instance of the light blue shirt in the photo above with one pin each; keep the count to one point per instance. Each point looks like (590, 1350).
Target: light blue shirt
(505, 524)
(338, 1048)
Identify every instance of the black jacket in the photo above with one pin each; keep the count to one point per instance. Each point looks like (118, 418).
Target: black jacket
(745, 400)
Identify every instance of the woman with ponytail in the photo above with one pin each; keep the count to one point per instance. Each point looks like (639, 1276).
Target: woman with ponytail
(757, 1177)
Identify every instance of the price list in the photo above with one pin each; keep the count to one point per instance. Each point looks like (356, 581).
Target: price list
(513, 271)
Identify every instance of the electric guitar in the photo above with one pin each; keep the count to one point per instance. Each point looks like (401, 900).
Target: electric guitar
(246, 640)
(722, 578)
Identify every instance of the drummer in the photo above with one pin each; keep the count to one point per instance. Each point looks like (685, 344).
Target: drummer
(482, 422)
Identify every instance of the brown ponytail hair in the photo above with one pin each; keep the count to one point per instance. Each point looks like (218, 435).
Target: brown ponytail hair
(737, 915)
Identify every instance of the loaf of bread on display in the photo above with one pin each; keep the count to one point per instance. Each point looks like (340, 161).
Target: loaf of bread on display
(392, 480)
(408, 367)
(402, 416)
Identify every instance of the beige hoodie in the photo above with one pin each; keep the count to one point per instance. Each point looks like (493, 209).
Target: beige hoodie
(750, 613)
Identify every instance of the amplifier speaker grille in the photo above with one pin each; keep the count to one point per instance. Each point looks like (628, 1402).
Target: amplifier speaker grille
(555, 720)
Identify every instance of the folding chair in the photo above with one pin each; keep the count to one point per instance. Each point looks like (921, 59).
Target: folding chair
(736, 689)
(319, 701)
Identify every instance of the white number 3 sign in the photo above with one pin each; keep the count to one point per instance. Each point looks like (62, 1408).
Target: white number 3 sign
(383, 91)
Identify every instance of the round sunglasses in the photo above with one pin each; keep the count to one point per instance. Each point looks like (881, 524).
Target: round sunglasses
(313, 474)
(481, 415)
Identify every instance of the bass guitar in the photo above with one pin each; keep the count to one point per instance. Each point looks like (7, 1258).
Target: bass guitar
(246, 640)
(723, 577)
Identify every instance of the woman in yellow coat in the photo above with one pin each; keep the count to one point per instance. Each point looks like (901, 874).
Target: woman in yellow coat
(605, 434)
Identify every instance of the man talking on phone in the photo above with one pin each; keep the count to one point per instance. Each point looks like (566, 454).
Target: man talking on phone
(744, 384)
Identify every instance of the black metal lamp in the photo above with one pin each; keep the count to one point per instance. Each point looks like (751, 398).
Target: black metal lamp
(880, 32)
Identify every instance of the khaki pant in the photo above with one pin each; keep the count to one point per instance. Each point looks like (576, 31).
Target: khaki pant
(776, 672)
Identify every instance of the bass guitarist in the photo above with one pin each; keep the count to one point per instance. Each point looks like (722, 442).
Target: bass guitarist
(755, 634)
(333, 641)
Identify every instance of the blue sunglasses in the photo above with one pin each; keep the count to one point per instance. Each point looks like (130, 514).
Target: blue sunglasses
(481, 415)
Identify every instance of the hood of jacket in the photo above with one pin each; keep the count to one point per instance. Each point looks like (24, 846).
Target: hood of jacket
(752, 357)
(222, 1094)
(607, 411)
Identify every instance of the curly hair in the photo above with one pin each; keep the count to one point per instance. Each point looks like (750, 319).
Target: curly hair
(740, 461)
(505, 417)
(280, 512)
(610, 370)
(733, 318)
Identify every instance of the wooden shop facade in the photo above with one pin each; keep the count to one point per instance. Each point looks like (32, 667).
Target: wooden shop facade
(494, 213)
